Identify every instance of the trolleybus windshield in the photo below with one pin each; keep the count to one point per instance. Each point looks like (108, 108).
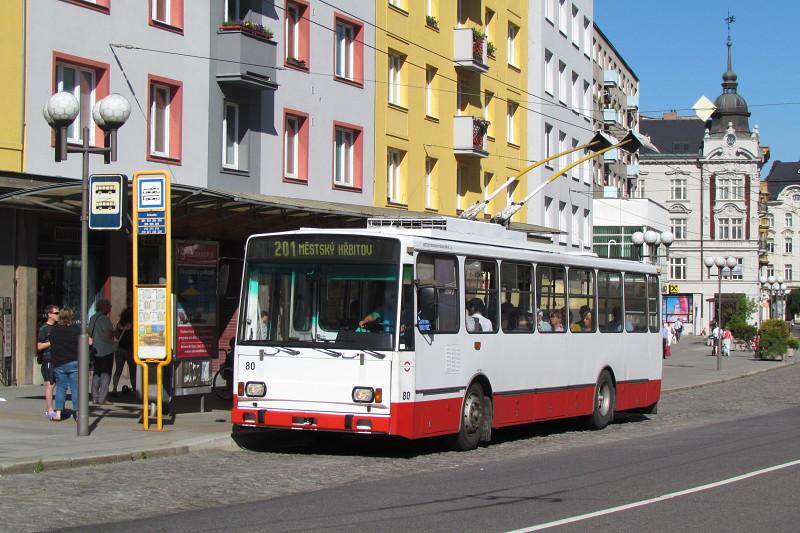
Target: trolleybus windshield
(325, 291)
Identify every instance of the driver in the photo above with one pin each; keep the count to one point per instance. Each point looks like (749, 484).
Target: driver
(384, 314)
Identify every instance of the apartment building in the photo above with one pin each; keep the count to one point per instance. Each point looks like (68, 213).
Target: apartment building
(782, 235)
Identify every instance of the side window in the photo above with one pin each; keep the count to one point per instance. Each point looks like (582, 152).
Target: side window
(437, 277)
(635, 303)
(480, 289)
(551, 302)
(652, 304)
(609, 302)
(516, 288)
(407, 317)
(581, 301)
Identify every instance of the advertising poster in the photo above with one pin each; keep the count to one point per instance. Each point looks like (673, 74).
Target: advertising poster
(152, 319)
(677, 306)
(196, 299)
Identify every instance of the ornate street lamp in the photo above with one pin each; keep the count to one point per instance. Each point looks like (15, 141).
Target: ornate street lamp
(109, 114)
(721, 262)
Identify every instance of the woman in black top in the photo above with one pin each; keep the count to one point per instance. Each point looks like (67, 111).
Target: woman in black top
(124, 353)
(64, 354)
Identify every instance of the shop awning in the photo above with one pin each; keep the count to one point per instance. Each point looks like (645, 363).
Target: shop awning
(213, 214)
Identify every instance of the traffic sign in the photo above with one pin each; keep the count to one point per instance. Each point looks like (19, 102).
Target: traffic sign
(108, 201)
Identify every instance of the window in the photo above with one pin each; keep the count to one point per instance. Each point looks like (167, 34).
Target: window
(787, 245)
(511, 117)
(295, 146)
(480, 287)
(548, 211)
(788, 220)
(575, 229)
(165, 118)
(770, 270)
(349, 51)
(548, 144)
(395, 81)
(581, 301)
(770, 221)
(586, 106)
(438, 292)
(548, 10)
(513, 30)
(573, 157)
(562, 82)
(562, 222)
(724, 228)
(609, 302)
(297, 35)
(459, 187)
(576, 27)
(488, 26)
(677, 268)
(730, 188)
(678, 228)
(737, 229)
(231, 136)
(771, 246)
(394, 160)
(516, 286)
(740, 262)
(653, 309)
(548, 72)
(487, 183)
(787, 272)
(635, 303)
(550, 290)
(575, 97)
(431, 184)
(587, 37)
(81, 83)
(586, 233)
(488, 114)
(167, 12)
(430, 91)
(677, 189)
(562, 141)
(562, 16)
(348, 156)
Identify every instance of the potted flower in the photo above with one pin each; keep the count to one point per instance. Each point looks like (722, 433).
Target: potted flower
(477, 43)
(247, 26)
(432, 21)
(490, 48)
(479, 128)
(296, 61)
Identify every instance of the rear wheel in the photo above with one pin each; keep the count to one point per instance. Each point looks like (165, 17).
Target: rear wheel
(604, 402)
(472, 418)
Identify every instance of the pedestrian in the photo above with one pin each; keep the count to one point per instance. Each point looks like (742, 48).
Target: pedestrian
(64, 355)
(666, 349)
(727, 340)
(671, 328)
(716, 335)
(45, 358)
(101, 332)
(124, 352)
(678, 329)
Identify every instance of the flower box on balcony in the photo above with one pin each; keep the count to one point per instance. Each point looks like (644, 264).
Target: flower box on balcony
(248, 27)
(297, 62)
(433, 22)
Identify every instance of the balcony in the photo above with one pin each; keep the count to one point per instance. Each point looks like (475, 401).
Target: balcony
(610, 116)
(762, 208)
(469, 136)
(632, 101)
(632, 170)
(610, 78)
(469, 50)
(607, 191)
(251, 53)
(762, 247)
(763, 223)
(612, 156)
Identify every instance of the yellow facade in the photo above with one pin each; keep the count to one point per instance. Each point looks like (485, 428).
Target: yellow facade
(12, 94)
(423, 97)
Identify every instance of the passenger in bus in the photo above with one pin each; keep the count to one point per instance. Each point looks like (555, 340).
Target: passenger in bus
(543, 325)
(522, 321)
(615, 325)
(476, 322)
(584, 322)
(263, 326)
(556, 321)
(507, 312)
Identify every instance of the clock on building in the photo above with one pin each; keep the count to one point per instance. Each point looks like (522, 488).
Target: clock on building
(730, 139)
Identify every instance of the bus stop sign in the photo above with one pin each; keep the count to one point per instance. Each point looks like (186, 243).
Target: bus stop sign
(108, 201)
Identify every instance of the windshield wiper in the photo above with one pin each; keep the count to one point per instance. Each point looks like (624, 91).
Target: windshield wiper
(328, 351)
(374, 354)
(288, 350)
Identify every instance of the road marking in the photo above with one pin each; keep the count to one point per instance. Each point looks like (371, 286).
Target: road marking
(657, 499)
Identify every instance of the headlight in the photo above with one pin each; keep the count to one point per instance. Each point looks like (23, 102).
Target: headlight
(363, 394)
(255, 388)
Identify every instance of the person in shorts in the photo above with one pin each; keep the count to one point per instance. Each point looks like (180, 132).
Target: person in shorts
(43, 349)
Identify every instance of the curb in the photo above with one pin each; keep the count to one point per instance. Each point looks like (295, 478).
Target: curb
(731, 378)
(201, 443)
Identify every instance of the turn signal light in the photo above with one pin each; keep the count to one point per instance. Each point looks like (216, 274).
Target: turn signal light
(378, 395)
(240, 388)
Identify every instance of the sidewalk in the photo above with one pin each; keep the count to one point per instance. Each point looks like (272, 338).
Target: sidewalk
(29, 442)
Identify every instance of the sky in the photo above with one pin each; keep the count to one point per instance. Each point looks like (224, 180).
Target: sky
(677, 50)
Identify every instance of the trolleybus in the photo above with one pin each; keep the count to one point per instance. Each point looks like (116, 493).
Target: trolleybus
(430, 327)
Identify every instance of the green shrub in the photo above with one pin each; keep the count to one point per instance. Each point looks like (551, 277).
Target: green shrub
(742, 330)
(774, 339)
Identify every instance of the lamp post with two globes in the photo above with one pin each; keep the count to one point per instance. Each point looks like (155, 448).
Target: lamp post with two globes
(776, 291)
(721, 263)
(109, 114)
(653, 239)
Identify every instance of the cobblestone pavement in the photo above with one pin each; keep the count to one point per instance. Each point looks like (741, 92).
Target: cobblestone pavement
(277, 464)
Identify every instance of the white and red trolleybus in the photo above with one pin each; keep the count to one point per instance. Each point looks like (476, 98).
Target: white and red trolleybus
(425, 327)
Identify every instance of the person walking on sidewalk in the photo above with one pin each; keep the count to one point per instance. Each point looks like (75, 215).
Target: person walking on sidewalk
(45, 358)
(666, 340)
(727, 340)
(678, 329)
(102, 333)
(64, 354)
(124, 353)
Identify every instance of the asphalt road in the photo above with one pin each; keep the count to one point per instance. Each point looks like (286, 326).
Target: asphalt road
(526, 477)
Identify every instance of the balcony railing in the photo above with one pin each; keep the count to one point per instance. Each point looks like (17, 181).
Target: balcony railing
(469, 50)
(469, 136)
(632, 101)
(632, 170)
(251, 57)
(610, 116)
(610, 78)
(611, 155)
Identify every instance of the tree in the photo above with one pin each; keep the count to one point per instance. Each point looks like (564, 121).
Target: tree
(741, 310)
(793, 302)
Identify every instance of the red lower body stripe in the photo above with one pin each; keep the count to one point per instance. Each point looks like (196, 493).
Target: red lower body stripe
(415, 420)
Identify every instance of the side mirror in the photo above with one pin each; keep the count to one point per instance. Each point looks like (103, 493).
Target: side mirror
(428, 302)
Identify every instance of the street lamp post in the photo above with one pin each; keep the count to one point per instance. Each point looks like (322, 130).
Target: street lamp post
(109, 114)
(653, 239)
(720, 262)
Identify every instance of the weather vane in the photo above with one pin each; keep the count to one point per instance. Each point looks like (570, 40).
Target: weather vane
(730, 19)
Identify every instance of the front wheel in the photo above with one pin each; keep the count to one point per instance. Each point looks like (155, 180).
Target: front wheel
(221, 384)
(473, 414)
(604, 402)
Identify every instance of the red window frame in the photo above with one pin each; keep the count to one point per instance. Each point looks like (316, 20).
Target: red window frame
(358, 157)
(175, 23)
(303, 46)
(358, 50)
(101, 82)
(103, 6)
(302, 147)
(175, 119)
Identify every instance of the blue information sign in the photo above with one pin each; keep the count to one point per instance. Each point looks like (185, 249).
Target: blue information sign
(108, 200)
(151, 222)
